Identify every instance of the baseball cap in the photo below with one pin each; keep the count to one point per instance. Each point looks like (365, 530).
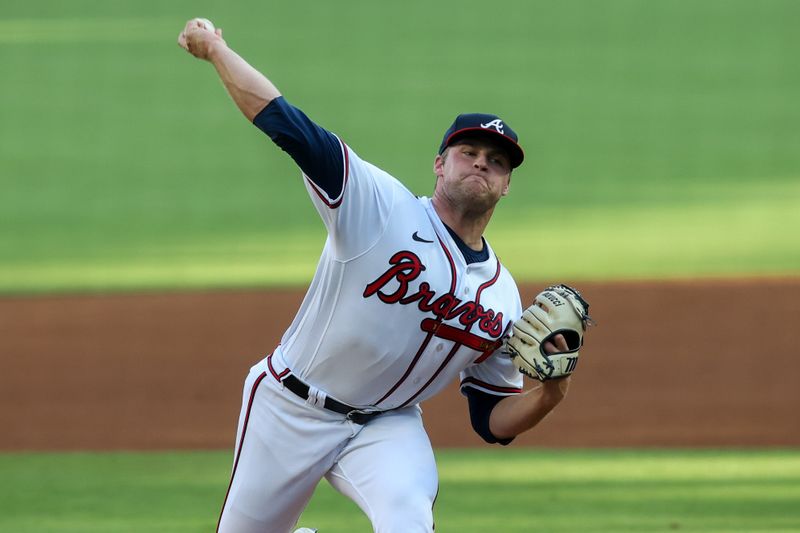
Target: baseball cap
(484, 124)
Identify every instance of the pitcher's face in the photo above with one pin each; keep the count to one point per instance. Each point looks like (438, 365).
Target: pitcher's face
(473, 173)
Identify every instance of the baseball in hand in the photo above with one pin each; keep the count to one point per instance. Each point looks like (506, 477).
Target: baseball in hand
(207, 24)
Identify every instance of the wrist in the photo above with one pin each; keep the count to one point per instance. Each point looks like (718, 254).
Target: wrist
(215, 48)
(554, 391)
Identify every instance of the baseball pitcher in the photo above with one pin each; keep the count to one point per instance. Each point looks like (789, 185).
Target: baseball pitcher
(407, 297)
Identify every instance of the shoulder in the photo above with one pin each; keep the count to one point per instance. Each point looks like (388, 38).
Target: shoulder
(360, 169)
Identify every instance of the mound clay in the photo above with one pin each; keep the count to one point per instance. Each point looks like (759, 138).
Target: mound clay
(711, 363)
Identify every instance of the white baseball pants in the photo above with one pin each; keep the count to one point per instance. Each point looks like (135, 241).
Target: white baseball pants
(285, 446)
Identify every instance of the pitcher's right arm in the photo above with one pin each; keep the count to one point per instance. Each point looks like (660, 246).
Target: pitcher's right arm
(250, 89)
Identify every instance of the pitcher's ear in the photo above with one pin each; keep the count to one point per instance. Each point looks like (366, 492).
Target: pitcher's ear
(438, 166)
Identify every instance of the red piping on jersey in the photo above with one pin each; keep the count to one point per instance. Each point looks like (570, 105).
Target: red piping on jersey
(495, 388)
(324, 197)
(487, 353)
(461, 337)
(485, 285)
(452, 266)
(450, 355)
(278, 377)
(430, 333)
(410, 367)
(434, 503)
(241, 442)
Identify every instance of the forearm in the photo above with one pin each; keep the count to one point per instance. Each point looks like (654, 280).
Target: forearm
(250, 90)
(516, 414)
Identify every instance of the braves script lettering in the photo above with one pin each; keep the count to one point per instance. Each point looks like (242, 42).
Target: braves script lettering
(406, 267)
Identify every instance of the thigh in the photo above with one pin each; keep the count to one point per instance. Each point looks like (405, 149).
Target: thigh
(283, 449)
(389, 470)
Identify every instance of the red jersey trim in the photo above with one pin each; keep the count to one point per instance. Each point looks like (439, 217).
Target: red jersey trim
(485, 285)
(460, 337)
(278, 377)
(258, 381)
(452, 266)
(447, 359)
(427, 337)
(409, 369)
(336, 202)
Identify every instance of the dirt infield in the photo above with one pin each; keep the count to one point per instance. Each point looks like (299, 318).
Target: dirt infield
(671, 364)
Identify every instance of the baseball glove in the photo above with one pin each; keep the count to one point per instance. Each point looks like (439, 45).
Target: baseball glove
(559, 309)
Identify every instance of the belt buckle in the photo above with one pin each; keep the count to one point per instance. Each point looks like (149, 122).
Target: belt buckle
(362, 416)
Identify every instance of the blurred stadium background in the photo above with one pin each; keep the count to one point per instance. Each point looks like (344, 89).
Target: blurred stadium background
(661, 137)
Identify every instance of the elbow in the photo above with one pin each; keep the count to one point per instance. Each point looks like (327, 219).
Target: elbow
(481, 427)
(481, 406)
(252, 111)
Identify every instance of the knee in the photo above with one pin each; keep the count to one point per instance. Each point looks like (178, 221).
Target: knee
(405, 513)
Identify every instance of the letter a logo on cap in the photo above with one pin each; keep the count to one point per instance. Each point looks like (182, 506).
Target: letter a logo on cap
(497, 124)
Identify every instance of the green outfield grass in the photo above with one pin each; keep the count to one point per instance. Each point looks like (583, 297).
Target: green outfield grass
(661, 136)
(480, 490)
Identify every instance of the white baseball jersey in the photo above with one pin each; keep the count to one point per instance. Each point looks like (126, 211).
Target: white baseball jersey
(394, 312)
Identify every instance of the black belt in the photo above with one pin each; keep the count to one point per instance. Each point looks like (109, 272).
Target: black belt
(359, 416)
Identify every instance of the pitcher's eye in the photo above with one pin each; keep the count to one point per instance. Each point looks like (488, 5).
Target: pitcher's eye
(499, 161)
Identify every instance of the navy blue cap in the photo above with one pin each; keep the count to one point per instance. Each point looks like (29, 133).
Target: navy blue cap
(484, 124)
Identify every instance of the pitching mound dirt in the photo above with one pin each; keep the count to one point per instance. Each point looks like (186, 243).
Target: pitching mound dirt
(670, 364)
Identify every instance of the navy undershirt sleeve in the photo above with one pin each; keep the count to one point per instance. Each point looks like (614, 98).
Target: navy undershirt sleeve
(480, 408)
(316, 151)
